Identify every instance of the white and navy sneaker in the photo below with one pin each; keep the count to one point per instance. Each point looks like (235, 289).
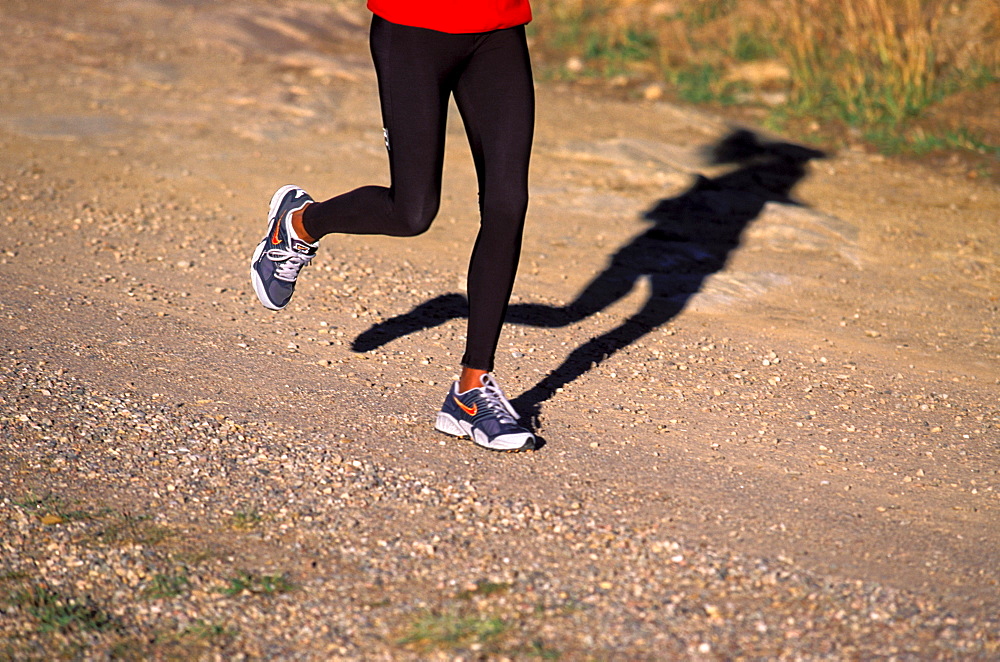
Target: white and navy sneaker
(280, 255)
(486, 416)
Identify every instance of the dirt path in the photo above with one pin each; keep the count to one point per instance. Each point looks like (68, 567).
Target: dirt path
(781, 441)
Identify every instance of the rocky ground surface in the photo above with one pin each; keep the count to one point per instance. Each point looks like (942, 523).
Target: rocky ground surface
(770, 415)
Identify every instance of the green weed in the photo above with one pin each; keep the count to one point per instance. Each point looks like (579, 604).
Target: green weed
(540, 650)
(57, 613)
(701, 13)
(702, 84)
(919, 142)
(135, 529)
(450, 630)
(752, 45)
(876, 66)
(13, 576)
(459, 625)
(258, 584)
(53, 505)
(194, 642)
(616, 50)
(202, 630)
(245, 519)
(167, 585)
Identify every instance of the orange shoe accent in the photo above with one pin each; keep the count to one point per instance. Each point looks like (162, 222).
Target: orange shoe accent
(471, 411)
(277, 228)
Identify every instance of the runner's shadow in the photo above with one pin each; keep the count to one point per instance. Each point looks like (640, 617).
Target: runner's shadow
(431, 313)
(691, 238)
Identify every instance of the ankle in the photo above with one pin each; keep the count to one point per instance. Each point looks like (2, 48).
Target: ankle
(299, 228)
(471, 378)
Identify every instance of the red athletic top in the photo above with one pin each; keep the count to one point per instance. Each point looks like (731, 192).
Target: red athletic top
(455, 16)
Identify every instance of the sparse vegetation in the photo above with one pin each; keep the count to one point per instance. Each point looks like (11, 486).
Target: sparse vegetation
(260, 584)
(54, 509)
(54, 612)
(193, 642)
(451, 629)
(843, 356)
(167, 585)
(868, 69)
(126, 527)
(476, 619)
(245, 519)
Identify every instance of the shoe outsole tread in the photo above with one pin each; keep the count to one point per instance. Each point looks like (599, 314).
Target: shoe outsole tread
(447, 424)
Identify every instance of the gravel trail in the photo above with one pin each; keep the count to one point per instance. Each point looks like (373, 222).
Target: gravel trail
(768, 389)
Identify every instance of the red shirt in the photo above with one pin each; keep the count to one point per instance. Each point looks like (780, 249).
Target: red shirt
(455, 16)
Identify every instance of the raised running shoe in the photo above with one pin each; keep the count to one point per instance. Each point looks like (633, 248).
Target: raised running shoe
(280, 255)
(486, 416)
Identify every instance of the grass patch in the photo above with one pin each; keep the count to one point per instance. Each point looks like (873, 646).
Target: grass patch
(703, 12)
(457, 629)
(202, 630)
(192, 557)
(57, 613)
(167, 585)
(244, 520)
(53, 509)
(13, 576)
(704, 84)
(135, 529)
(470, 620)
(119, 528)
(861, 68)
(539, 650)
(257, 584)
(611, 53)
(918, 142)
(613, 50)
(877, 63)
(750, 46)
(453, 630)
(194, 642)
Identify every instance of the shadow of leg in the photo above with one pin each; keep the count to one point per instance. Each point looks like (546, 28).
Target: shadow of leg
(595, 351)
(427, 315)
(605, 289)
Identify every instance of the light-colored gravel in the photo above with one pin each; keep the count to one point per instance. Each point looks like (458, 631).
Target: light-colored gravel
(798, 461)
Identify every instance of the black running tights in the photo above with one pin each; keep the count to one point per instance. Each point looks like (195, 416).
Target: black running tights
(490, 76)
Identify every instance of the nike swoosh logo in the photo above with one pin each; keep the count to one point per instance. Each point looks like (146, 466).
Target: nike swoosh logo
(471, 411)
(277, 227)
(275, 239)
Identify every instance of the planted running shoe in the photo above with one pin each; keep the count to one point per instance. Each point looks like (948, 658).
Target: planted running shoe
(486, 416)
(280, 255)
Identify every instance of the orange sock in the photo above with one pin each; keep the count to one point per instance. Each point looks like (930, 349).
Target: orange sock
(471, 378)
(299, 228)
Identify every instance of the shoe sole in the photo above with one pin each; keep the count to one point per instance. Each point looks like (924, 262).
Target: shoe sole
(258, 284)
(448, 424)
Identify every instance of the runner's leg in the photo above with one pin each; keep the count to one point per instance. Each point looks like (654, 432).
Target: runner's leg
(495, 95)
(415, 69)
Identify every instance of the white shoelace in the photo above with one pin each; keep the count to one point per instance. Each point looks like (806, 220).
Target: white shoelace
(497, 401)
(288, 263)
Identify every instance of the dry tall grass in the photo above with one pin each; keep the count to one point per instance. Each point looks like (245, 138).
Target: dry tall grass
(873, 60)
(866, 62)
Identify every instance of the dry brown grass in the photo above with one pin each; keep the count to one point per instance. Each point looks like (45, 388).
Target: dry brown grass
(866, 63)
(883, 59)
